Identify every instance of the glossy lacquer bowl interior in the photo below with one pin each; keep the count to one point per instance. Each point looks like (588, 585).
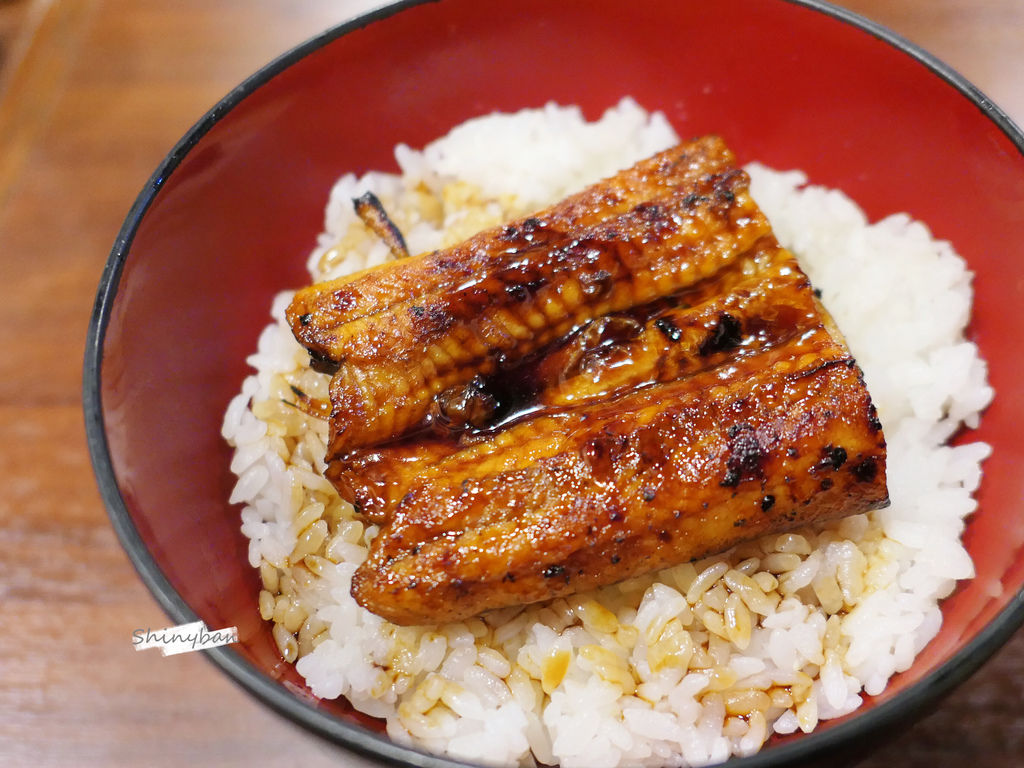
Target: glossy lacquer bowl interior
(228, 219)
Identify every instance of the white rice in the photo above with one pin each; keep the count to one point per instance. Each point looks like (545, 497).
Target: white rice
(687, 666)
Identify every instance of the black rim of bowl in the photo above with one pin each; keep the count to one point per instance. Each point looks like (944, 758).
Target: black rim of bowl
(848, 734)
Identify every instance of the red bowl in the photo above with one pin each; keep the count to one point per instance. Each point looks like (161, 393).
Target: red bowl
(792, 84)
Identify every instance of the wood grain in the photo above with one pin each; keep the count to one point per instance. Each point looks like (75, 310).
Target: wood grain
(107, 88)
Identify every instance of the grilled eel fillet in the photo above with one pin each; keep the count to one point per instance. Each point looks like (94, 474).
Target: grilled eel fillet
(400, 334)
(757, 303)
(665, 430)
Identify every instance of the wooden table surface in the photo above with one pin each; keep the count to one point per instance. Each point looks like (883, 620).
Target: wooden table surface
(95, 92)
